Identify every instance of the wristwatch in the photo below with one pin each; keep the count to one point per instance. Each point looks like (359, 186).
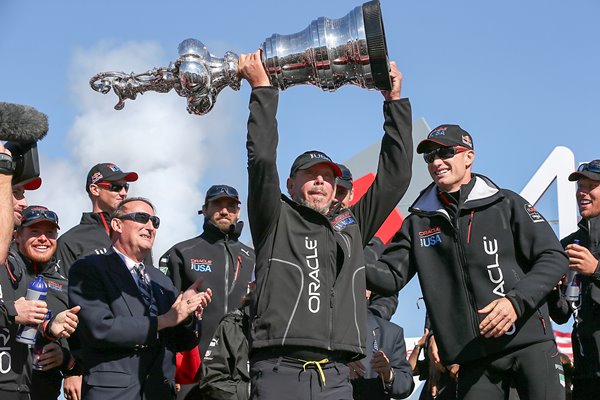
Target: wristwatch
(6, 164)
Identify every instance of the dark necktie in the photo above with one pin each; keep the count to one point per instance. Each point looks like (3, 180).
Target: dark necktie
(145, 288)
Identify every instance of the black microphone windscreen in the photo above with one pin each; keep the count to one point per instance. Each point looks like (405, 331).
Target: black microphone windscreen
(23, 124)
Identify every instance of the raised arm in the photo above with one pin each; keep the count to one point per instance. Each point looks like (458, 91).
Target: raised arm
(264, 195)
(394, 169)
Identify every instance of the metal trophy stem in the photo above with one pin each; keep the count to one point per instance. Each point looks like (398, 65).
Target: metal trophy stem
(328, 54)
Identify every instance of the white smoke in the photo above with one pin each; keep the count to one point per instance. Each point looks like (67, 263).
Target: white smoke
(154, 135)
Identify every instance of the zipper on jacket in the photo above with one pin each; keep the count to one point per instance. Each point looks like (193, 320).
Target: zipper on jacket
(226, 291)
(331, 301)
(542, 320)
(466, 277)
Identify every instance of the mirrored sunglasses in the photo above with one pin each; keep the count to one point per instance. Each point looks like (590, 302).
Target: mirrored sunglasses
(228, 190)
(591, 166)
(37, 214)
(114, 187)
(443, 153)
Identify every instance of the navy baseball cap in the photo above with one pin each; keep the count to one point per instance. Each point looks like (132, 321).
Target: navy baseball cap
(35, 214)
(345, 180)
(446, 136)
(313, 157)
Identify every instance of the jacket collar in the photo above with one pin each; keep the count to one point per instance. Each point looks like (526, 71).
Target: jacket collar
(212, 233)
(483, 192)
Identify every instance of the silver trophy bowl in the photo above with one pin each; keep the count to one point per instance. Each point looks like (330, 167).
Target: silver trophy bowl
(329, 53)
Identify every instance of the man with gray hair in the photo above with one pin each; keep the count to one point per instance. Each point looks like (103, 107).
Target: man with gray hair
(133, 319)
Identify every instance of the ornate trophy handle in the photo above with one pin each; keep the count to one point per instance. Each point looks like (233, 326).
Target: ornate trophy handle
(196, 75)
(127, 86)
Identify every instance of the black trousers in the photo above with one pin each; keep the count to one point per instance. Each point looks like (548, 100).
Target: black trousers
(286, 378)
(535, 370)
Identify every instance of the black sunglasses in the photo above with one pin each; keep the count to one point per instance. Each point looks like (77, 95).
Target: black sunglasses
(142, 218)
(35, 214)
(114, 187)
(591, 166)
(443, 153)
(228, 190)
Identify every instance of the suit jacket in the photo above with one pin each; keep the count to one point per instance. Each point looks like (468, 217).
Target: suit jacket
(389, 338)
(123, 355)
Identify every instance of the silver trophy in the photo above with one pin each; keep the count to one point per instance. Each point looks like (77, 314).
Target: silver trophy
(329, 53)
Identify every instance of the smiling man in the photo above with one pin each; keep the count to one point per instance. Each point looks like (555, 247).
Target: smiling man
(309, 318)
(486, 261)
(583, 249)
(133, 319)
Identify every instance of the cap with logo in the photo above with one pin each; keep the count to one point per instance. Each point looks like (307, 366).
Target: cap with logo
(313, 157)
(446, 136)
(345, 179)
(108, 172)
(35, 214)
(590, 170)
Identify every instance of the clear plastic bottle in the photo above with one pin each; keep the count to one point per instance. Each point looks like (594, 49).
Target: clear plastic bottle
(573, 284)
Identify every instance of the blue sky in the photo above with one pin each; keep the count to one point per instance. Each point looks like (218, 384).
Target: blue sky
(521, 77)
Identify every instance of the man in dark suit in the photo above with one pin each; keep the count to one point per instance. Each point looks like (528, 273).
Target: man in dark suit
(133, 319)
(385, 373)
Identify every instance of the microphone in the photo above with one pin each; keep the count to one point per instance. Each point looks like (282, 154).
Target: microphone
(22, 124)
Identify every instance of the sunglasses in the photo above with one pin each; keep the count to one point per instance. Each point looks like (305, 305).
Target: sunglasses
(228, 190)
(443, 153)
(46, 215)
(591, 166)
(114, 187)
(142, 218)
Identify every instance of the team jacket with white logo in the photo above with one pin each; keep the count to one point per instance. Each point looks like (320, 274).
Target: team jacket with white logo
(497, 245)
(223, 263)
(309, 267)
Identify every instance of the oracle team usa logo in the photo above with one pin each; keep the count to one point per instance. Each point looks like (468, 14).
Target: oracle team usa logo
(201, 265)
(430, 237)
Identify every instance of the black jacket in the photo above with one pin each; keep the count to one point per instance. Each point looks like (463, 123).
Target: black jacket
(87, 238)
(14, 278)
(497, 245)
(225, 372)
(225, 265)
(586, 330)
(310, 267)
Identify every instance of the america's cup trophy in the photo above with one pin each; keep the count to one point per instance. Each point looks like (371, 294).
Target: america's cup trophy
(329, 53)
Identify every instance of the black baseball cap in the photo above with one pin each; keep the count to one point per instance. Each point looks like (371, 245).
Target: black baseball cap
(35, 214)
(589, 170)
(108, 172)
(313, 157)
(345, 179)
(446, 136)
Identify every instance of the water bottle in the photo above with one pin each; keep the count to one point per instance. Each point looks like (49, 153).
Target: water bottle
(36, 290)
(39, 348)
(573, 284)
